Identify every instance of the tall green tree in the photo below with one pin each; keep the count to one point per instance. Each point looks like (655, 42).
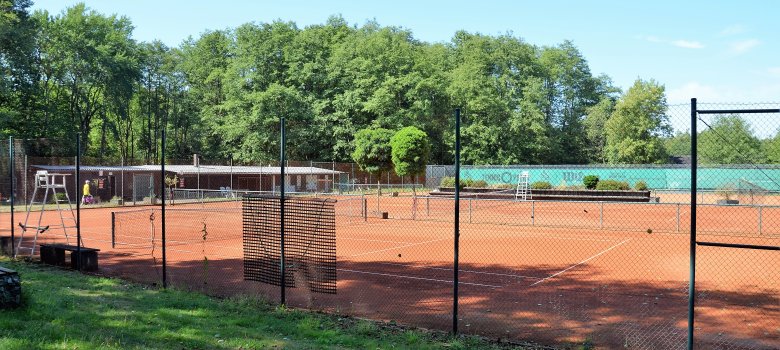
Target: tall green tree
(410, 149)
(373, 152)
(570, 89)
(204, 65)
(679, 144)
(18, 72)
(254, 136)
(772, 149)
(88, 56)
(595, 123)
(634, 131)
(729, 140)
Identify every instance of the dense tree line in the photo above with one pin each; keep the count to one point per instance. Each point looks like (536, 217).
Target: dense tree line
(221, 93)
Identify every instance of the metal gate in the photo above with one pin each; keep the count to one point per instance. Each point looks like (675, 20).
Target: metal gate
(143, 188)
(735, 303)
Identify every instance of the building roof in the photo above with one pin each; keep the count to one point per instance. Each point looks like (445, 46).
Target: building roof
(193, 170)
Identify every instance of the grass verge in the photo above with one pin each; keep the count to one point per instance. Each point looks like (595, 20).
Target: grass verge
(67, 310)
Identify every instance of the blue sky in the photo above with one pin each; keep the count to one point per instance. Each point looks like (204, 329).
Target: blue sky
(717, 51)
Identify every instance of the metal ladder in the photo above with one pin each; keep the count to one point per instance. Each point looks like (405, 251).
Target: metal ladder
(47, 183)
(522, 192)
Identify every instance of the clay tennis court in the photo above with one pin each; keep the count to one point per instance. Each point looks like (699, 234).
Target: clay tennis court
(552, 272)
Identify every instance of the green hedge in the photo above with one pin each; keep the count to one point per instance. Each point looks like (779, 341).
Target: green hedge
(541, 185)
(590, 181)
(450, 182)
(612, 185)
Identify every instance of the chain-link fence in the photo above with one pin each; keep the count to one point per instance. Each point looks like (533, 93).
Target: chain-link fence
(557, 254)
(736, 274)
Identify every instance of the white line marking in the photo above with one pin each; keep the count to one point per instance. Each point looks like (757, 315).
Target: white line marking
(421, 278)
(581, 262)
(372, 240)
(399, 247)
(464, 271)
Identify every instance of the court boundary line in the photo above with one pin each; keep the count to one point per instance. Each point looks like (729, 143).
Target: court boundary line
(581, 262)
(372, 240)
(461, 270)
(421, 278)
(399, 247)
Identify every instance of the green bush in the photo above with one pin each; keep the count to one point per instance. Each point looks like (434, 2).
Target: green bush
(590, 181)
(612, 185)
(541, 185)
(479, 183)
(448, 181)
(640, 186)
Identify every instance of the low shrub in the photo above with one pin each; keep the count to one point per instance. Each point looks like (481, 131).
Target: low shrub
(541, 185)
(612, 185)
(640, 186)
(479, 183)
(590, 181)
(449, 181)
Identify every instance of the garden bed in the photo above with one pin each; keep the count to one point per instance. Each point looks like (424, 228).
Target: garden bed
(548, 195)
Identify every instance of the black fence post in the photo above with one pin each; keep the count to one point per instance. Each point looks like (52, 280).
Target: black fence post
(457, 225)
(162, 211)
(78, 201)
(281, 214)
(12, 198)
(113, 230)
(692, 278)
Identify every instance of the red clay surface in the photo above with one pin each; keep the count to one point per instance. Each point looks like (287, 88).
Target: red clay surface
(549, 272)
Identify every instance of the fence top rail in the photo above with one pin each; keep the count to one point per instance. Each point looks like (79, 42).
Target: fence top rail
(738, 111)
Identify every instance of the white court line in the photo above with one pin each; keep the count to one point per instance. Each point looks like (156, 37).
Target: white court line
(581, 262)
(399, 247)
(372, 240)
(466, 271)
(421, 278)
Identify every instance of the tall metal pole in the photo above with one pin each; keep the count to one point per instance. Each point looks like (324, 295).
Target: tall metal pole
(123, 180)
(78, 201)
(162, 214)
(281, 213)
(692, 278)
(11, 176)
(457, 225)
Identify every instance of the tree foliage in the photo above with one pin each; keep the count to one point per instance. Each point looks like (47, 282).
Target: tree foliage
(221, 93)
(372, 150)
(410, 150)
(679, 144)
(635, 129)
(729, 140)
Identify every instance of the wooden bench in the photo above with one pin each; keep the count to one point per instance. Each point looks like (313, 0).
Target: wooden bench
(10, 289)
(54, 254)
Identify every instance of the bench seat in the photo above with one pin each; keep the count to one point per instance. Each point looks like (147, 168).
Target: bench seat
(54, 254)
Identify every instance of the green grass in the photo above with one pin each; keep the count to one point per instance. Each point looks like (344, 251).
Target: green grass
(68, 310)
